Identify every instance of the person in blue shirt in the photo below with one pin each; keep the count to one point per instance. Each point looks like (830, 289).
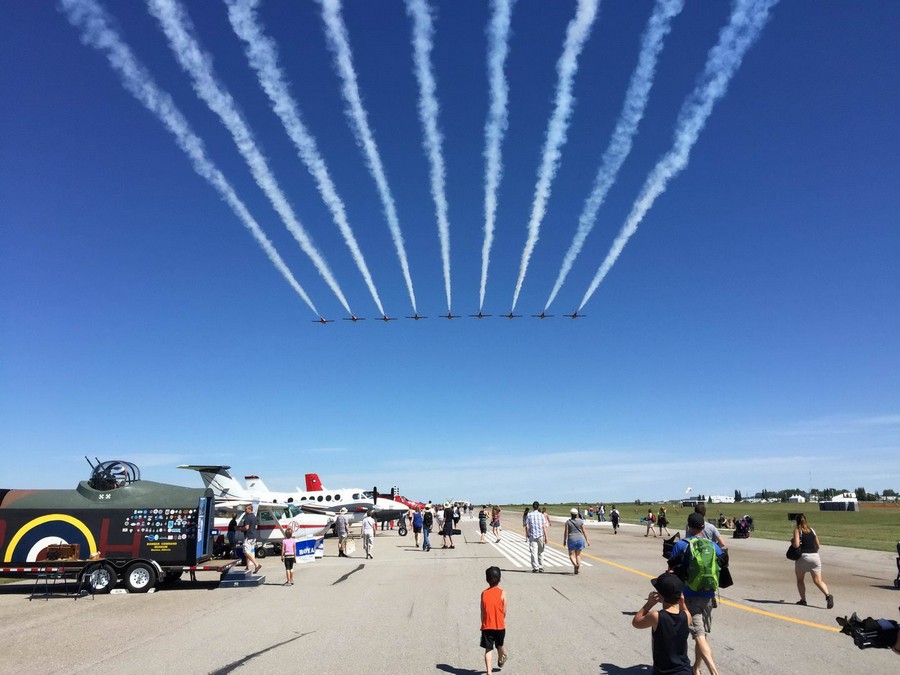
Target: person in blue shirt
(417, 524)
(699, 603)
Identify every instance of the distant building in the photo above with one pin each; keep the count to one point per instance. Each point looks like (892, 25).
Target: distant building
(797, 499)
(719, 499)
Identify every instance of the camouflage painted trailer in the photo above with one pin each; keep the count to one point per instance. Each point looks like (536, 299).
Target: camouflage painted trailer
(116, 526)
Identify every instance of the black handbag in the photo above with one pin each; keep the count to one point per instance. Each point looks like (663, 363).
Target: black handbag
(793, 552)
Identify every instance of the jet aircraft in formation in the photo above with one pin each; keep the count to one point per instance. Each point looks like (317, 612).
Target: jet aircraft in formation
(416, 317)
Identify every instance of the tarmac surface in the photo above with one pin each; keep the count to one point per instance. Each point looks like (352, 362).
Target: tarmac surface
(408, 611)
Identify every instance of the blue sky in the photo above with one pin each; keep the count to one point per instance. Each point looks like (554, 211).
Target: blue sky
(746, 338)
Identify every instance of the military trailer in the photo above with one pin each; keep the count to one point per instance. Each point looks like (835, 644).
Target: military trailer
(113, 527)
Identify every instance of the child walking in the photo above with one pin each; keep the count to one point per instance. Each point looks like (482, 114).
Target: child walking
(493, 619)
(288, 553)
(670, 626)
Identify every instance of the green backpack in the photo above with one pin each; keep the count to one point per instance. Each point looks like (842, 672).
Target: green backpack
(702, 567)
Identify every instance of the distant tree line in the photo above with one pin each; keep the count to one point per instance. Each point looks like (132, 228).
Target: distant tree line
(822, 495)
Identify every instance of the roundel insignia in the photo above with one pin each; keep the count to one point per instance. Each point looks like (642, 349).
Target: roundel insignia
(36, 535)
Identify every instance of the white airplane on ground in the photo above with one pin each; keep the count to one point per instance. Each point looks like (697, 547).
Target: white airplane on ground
(314, 499)
(272, 520)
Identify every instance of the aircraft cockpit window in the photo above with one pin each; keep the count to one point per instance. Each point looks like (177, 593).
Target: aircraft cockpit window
(357, 496)
(112, 474)
(292, 511)
(266, 515)
(368, 494)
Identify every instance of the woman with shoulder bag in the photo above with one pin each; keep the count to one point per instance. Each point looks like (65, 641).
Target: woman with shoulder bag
(806, 539)
(575, 538)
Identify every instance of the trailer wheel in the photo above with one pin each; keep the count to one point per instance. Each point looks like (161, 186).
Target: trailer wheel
(261, 552)
(140, 577)
(100, 578)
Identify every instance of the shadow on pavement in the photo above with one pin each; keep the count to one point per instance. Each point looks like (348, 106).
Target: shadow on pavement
(457, 671)
(611, 669)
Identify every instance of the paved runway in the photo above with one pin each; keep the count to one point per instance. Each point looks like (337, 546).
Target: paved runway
(408, 611)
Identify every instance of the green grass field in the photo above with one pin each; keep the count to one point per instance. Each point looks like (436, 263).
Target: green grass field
(875, 526)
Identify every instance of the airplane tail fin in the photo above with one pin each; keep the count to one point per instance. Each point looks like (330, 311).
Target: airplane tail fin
(255, 484)
(222, 483)
(313, 484)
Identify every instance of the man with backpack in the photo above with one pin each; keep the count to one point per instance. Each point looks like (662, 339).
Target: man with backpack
(696, 560)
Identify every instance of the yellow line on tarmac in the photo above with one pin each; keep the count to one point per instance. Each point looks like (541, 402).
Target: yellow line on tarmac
(730, 603)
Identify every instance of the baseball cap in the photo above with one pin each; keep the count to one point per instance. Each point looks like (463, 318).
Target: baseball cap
(696, 521)
(668, 585)
(573, 510)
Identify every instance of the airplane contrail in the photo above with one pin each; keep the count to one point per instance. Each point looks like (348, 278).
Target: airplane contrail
(577, 33)
(495, 127)
(620, 144)
(262, 52)
(96, 31)
(422, 39)
(179, 31)
(339, 44)
(745, 24)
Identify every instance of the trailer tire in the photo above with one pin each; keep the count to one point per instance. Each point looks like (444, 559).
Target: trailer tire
(140, 577)
(100, 578)
(261, 552)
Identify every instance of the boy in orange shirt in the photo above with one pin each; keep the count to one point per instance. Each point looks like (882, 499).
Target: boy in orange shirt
(493, 619)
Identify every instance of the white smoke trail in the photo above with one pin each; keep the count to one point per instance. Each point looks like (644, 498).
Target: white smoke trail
(623, 135)
(339, 43)
(495, 128)
(577, 33)
(747, 20)
(179, 31)
(262, 53)
(422, 39)
(97, 32)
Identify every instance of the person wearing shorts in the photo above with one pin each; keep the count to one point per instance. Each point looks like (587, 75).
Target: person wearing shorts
(493, 619)
(495, 522)
(482, 523)
(288, 555)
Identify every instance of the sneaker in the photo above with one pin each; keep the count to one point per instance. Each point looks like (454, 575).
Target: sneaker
(829, 601)
(800, 602)
(452, 546)
(534, 571)
(541, 570)
(576, 569)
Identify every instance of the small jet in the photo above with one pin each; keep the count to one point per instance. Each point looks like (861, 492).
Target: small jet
(353, 318)
(386, 318)
(416, 317)
(448, 315)
(511, 316)
(574, 315)
(542, 315)
(480, 315)
(322, 320)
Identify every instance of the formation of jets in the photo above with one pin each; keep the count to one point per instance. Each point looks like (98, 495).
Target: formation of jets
(416, 317)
